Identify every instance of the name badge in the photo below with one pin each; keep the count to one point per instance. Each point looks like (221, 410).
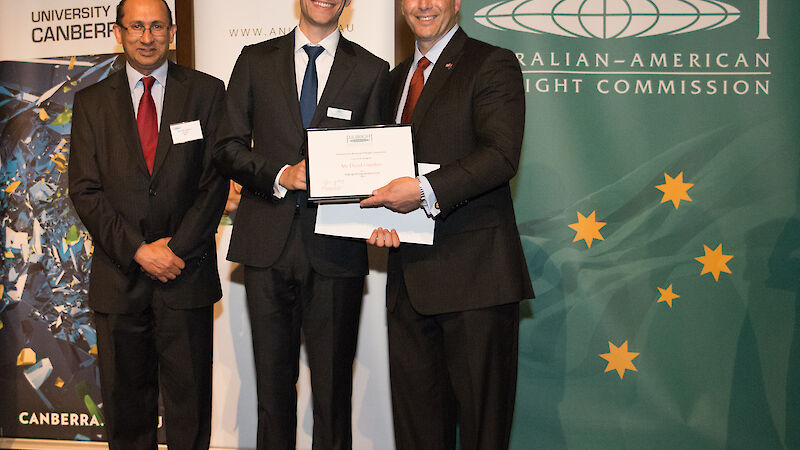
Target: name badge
(186, 131)
(337, 113)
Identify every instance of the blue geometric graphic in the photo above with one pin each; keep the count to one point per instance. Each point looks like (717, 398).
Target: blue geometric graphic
(607, 19)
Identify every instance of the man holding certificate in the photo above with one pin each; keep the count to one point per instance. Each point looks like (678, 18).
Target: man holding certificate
(453, 307)
(296, 280)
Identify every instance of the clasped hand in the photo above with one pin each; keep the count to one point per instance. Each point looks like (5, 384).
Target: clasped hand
(157, 259)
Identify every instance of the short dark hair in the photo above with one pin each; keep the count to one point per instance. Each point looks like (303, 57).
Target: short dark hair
(122, 3)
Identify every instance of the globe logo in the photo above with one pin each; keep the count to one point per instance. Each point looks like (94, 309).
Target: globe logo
(607, 19)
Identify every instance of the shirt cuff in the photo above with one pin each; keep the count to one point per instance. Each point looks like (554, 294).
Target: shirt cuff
(278, 190)
(429, 203)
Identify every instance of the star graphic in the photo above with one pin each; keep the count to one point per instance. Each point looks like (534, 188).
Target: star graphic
(619, 358)
(667, 295)
(674, 189)
(587, 229)
(714, 261)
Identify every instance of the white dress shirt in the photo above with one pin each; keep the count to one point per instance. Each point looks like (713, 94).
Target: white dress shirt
(324, 64)
(429, 203)
(157, 91)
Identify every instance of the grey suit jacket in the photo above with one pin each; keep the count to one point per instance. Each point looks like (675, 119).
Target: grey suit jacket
(122, 205)
(470, 119)
(262, 131)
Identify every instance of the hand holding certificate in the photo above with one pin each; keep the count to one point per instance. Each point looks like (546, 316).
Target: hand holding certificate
(347, 164)
(350, 220)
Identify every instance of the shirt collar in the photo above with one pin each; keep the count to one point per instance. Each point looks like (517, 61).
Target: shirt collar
(436, 51)
(329, 43)
(134, 76)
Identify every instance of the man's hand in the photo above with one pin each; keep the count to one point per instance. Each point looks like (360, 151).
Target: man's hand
(157, 259)
(294, 177)
(234, 197)
(400, 195)
(384, 238)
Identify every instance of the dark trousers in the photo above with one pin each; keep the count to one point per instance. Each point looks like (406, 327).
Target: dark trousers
(282, 300)
(157, 350)
(452, 369)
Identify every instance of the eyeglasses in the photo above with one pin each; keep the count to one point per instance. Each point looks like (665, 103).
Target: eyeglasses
(138, 29)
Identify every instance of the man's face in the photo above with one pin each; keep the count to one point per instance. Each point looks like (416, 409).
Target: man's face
(321, 14)
(145, 52)
(430, 20)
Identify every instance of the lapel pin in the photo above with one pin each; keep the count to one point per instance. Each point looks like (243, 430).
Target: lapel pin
(448, 66)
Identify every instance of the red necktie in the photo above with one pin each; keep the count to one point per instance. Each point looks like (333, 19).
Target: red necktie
(414, 90)
(147, 122)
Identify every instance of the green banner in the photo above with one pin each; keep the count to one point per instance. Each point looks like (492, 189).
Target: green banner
(657, 199)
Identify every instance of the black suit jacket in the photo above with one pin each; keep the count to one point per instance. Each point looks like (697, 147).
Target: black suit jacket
(122, 205)
(469, 119)
(262, 109)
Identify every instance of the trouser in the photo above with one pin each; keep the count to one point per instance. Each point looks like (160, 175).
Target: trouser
(282, 300)
(159, 350)
(452, 370)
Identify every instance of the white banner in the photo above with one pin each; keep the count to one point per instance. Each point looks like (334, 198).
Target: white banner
(47, 29)
(220, 34)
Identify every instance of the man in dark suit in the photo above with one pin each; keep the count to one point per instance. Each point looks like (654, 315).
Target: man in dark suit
(453, 311)
(151, 199)
(294, 278)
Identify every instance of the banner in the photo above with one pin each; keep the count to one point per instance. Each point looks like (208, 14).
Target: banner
(43, 29)
(658, 201)
(220, 34)
(49, 386)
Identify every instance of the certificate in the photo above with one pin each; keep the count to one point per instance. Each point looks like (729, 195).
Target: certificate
(347, 164)
(350, 220)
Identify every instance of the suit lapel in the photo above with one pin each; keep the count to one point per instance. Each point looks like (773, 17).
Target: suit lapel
(343, 64)
(441, 72)
(175, 100)
(122, 107)
(397, 94)
(287, 76)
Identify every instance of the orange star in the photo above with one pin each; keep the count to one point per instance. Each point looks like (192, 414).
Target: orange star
(674, 189)
(714, 261)
(619, 358)
(587, 229)
(667, 295)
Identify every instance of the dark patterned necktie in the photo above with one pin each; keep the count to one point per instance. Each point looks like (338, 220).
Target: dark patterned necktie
(308, 94)
(147, 123)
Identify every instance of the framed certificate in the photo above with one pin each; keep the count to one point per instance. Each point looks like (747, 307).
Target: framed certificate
(347, 164)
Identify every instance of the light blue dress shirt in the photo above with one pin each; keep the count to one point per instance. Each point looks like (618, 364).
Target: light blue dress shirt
(429, 204)
(137, 87)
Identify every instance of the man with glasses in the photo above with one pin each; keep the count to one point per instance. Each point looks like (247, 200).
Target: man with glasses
(142, 181)
(295, 279)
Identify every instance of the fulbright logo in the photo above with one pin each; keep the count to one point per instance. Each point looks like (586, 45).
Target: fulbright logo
(359, 138)
(607, 19)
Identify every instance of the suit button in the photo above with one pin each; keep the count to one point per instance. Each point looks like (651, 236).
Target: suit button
(151, 192)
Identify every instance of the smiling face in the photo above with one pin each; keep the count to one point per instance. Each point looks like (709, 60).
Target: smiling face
(319, 18)
(147, 52)
(430, 20)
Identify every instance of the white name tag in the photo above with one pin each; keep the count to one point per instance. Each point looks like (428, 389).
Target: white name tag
(337, 113)
(186, 131)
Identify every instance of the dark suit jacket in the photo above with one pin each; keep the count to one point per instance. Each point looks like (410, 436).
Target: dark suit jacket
(122, 205)
(470, 119)
(262, 108)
